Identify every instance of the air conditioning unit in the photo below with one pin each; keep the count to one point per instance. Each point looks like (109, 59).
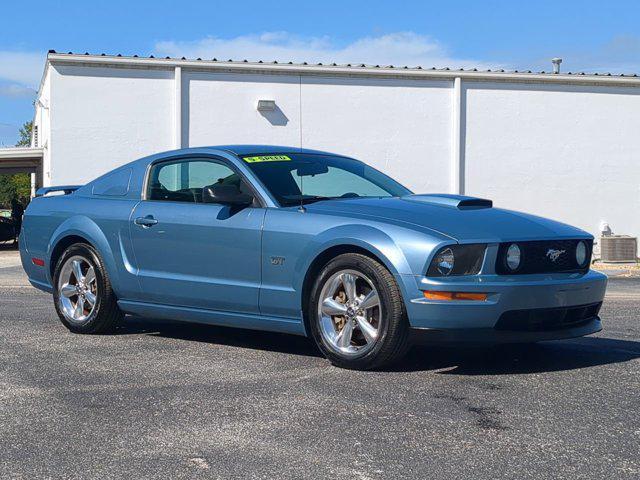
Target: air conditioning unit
(618, 249)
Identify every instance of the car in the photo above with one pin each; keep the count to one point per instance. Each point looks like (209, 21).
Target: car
(7, 227)
(310, 243)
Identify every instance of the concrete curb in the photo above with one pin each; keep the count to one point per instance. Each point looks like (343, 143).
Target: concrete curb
(630, 270)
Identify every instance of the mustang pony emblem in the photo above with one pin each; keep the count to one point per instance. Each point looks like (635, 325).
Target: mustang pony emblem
(554, 254)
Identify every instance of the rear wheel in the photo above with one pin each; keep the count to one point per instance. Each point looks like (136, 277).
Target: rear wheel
(356, 314)
(83, 296)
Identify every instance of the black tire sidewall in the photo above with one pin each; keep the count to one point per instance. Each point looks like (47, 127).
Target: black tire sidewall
(91, 256)
(369, 268)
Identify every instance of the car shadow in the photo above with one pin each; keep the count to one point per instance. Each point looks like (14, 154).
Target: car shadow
(513, 359)
(234, 337)
(447, 360)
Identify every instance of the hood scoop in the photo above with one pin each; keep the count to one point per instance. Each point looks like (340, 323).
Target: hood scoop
(460, 202)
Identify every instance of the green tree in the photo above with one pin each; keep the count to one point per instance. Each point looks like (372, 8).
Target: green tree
(17, 186)
(25, 135)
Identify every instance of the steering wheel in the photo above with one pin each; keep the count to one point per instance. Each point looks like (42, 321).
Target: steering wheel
(349, 195)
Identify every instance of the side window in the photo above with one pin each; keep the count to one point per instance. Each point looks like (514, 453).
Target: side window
(114, 184)
(184, 180)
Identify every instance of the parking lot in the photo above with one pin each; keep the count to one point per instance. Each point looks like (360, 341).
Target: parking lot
(168, 400)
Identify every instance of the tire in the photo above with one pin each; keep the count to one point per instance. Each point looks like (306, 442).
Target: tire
(72, 298)
(356, 346)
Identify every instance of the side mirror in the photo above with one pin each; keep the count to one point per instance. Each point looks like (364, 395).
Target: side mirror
(226, 195)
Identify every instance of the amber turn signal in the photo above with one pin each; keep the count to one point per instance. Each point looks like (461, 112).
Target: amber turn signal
(433, 295)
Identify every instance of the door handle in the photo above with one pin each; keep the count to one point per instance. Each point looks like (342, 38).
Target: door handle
(146, 222)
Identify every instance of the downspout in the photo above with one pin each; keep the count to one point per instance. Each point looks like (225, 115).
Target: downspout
(177, 124)
(457, 185)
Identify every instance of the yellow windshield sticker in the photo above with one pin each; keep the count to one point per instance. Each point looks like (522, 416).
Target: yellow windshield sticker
(267, 158)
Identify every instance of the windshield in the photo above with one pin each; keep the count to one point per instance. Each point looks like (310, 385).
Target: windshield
(297, 178)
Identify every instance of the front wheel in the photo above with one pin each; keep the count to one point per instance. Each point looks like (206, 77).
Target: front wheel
(83, 297)
(357, 315)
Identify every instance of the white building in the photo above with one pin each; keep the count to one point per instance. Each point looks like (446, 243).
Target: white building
(565, 146)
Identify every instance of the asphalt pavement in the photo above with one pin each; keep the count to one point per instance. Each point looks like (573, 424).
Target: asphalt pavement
(162, 399)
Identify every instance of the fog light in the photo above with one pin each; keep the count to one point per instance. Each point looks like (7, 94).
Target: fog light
(434, 295)
(581, 253)
(513, 257)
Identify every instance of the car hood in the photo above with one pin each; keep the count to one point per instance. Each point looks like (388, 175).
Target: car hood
(481, 224)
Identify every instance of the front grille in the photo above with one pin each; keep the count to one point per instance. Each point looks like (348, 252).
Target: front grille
(546, 256)
(545, 319)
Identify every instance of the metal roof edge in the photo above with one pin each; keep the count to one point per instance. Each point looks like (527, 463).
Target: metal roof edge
(21, 152)
(346, 70)
(342, 70)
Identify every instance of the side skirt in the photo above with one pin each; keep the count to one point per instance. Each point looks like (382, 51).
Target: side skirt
(214, 317)
(45, 287)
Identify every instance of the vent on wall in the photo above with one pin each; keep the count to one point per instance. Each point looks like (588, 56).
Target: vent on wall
(618, 248)
(35, 136)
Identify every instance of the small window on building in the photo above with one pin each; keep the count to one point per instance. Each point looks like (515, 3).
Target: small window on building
(35, 136)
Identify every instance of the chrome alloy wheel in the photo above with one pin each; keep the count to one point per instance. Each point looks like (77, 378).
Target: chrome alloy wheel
(77, 289)
(349, 313)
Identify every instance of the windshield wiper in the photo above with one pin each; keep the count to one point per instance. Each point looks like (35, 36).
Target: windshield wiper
(291, 201)
(313, 199)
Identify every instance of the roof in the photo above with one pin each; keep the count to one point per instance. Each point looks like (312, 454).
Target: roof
(350, 69)
(270, 149)
(20, 159)
(16, 153)
(238, 150)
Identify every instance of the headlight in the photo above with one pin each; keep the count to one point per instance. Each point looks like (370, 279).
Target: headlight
(514, 257)
(444, 261)
(581, 253)
(457, 260)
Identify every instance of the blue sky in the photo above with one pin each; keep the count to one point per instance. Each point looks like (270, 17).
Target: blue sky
(589, 35)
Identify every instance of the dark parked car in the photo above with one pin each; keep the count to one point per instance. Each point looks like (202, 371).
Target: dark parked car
(7, 228)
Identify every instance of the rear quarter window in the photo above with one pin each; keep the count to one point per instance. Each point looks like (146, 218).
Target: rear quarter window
(115, 184)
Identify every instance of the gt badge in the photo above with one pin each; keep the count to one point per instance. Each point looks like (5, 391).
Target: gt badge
(277, 261)
(554, 254)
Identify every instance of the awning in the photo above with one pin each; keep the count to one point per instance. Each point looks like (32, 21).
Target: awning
(23, 160)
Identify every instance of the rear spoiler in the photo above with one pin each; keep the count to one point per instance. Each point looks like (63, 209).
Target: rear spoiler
(67, 189)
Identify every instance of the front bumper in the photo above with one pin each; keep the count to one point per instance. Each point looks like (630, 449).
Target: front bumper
(466, 320)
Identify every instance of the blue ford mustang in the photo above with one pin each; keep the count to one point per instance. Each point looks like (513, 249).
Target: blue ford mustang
(308, 243)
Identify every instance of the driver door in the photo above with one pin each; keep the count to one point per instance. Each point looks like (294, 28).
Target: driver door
(195, 254)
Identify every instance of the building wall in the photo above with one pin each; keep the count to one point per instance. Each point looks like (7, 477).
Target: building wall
(104, 117)
(395, 125)
(221, 109)
(564, 151)
(42, 120)
(402, 127)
